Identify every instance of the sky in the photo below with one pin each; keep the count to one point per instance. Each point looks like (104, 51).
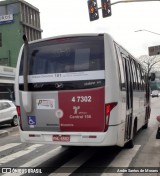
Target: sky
(60, 17)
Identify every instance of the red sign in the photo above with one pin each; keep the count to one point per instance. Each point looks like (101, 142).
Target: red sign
(83, 110)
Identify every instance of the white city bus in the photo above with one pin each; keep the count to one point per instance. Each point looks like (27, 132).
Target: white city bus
(80, 90)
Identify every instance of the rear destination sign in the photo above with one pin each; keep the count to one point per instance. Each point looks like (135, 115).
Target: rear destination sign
(71, 76)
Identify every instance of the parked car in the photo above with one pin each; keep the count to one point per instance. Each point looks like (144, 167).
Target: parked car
(8, 113)
(155, 93)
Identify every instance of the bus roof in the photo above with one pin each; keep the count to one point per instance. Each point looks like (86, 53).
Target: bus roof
(68, 35)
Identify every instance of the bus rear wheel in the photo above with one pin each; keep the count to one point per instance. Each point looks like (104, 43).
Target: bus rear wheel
(145, 125)
(131, 142)
(148, 111)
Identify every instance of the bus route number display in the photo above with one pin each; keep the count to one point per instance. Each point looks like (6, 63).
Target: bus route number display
(82, 99)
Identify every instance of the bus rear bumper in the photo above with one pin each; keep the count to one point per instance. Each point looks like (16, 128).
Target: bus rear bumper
(108, 138)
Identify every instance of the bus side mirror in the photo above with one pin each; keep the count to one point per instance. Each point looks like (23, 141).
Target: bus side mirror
(152, 76)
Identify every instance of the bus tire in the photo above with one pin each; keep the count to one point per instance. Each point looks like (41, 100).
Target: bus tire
(130, 143)
(145, 126)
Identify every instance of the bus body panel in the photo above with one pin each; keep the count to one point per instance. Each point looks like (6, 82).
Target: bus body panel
(108, 138)
(83, 110)
(112, 89)
(78, 110)
(42, 116)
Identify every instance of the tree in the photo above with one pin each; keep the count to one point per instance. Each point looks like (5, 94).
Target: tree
(150, 62)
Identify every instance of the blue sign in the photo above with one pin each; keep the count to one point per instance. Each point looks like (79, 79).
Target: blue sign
(31, 120)
(6, 22)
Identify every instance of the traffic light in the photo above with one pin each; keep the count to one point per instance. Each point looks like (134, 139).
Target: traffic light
(106, 8)
(93, 10)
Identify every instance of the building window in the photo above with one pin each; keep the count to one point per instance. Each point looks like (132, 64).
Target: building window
(0, 39)
(2, 10)
(12, 9)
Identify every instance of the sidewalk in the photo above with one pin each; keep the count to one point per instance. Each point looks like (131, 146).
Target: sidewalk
(7, 131)
(148, 156)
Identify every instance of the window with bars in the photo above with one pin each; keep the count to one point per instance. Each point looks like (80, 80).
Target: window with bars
(0, 39)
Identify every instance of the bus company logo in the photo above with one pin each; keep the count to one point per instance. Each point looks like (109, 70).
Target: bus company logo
(59, 113)
(90, 83)
(58, 85)
(76, 108)
(38, 85)
(45, 103)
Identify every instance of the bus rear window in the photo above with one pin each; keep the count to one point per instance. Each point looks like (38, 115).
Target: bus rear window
(71, 55)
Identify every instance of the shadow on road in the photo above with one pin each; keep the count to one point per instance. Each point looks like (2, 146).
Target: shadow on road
(4, 127)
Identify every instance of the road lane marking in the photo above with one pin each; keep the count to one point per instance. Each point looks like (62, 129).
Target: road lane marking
(19, 154)
(8, 146)
(75, 163)
(122, 160)
(41, 159)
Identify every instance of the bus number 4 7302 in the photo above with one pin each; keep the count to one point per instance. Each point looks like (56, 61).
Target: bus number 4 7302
(82, 99)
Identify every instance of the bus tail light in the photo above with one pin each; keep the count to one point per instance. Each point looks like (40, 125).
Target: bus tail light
(108, 109)
(19, 116)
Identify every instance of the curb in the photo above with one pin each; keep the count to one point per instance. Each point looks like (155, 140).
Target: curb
(4, 133)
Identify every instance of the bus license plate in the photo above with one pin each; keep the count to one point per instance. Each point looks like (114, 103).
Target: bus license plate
(61, 138)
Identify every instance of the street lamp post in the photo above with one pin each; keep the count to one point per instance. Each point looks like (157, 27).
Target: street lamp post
(146, 31)
(153, 50)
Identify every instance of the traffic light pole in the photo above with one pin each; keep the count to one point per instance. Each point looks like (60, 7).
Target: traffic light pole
(132, 1)
(106, 7)
(118, 2)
